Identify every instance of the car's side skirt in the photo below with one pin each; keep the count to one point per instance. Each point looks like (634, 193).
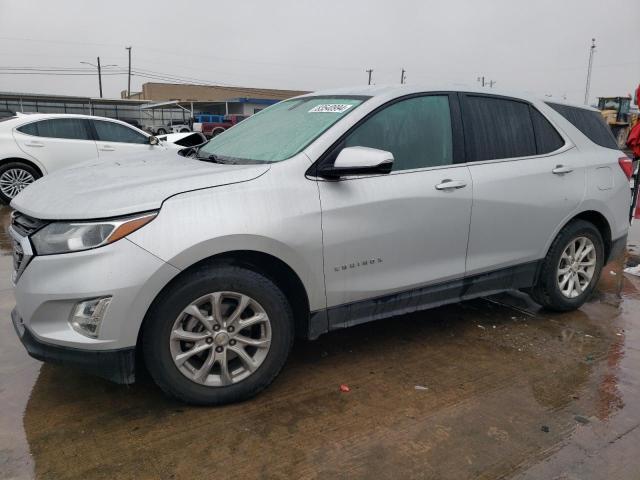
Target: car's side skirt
(422, 298)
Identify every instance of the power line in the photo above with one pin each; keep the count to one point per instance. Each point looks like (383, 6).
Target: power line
(60, 74)
(165, 52)
(149, 74)
(99, 72)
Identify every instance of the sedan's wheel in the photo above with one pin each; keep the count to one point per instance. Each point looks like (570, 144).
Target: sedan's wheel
(221, 338)
(15, 177)
(162, 131)
(219, 334)
(571, 269)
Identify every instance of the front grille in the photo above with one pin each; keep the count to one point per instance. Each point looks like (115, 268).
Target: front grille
(25, 225)
(18, 255)
(22, 226)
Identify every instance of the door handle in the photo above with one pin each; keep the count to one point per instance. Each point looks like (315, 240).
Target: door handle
(560, 169)
(107, 148)
(448, 184)
(34, 144)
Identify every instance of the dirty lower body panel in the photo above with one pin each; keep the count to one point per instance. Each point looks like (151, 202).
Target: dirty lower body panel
(115, 365)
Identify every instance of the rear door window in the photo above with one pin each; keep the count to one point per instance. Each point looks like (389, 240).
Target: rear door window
(589, 122)
(67, 128)
(114, 132)
(497, 128)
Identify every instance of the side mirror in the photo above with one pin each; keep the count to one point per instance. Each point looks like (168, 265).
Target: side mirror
(153, 140)
(358, 161)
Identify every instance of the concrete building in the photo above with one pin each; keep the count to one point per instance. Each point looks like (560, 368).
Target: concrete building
(208, 99)
(193, 100)
(164, 92)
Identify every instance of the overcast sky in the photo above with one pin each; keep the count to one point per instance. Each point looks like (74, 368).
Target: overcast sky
(539, 46)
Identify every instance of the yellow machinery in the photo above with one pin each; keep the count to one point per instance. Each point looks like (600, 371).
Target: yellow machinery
(616, 111)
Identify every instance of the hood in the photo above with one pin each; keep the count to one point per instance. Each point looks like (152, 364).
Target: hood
(110, 188)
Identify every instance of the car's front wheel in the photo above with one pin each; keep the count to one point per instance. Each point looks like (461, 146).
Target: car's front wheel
(220, 335)
(14, 177)
(572, 267)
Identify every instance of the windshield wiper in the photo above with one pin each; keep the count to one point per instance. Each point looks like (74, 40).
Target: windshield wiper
(210, 158)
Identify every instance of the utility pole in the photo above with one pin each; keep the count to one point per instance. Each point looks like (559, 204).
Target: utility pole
(129, 75)
(99, 78)
(592, 50)
(370, 71)
(403, 77)
(484, 82)
(99, 72)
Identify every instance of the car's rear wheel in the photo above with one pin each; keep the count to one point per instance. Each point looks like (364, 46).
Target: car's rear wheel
(15, 177)
(572, 267)
(162, 131)
(221, 335)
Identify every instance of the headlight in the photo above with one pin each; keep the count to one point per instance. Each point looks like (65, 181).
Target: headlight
(63, 237)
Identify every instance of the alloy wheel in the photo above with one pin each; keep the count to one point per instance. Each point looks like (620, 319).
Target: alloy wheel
(576, 267)
(14, 180)
(220, 339)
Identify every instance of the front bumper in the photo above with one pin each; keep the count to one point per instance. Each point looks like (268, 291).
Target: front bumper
(115, 365)
(51, 286)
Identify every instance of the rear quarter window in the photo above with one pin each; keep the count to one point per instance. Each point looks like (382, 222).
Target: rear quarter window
(29, 129)
(547, 137)
(589, 122)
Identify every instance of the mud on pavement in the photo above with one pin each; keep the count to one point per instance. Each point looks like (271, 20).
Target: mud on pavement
(492, 388)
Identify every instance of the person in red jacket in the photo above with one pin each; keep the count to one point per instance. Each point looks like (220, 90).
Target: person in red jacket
(633, 140)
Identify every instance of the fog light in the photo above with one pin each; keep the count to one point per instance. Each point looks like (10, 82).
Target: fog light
(87, 316)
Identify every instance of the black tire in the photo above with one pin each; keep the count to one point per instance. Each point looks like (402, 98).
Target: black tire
(16, 165)
(162, 131)
(547, 291)
(195, 284)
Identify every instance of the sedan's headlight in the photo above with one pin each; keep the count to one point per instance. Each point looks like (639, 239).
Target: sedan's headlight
(63, 237)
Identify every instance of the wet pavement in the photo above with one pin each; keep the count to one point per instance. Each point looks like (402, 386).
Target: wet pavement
(492, 388)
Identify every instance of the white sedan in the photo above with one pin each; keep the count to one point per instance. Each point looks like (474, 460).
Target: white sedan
(33, 145)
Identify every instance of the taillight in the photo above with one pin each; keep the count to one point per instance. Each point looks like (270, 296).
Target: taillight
(627, 166)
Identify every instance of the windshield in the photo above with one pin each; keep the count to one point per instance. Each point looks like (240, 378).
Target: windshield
(280, 131)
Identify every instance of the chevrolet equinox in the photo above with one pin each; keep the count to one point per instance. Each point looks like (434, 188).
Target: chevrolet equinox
(320, 212)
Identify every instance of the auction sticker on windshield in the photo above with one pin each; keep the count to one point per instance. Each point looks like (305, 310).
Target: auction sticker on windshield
(331, 108)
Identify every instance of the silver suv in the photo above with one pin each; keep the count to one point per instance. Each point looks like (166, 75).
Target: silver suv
(318, 213)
